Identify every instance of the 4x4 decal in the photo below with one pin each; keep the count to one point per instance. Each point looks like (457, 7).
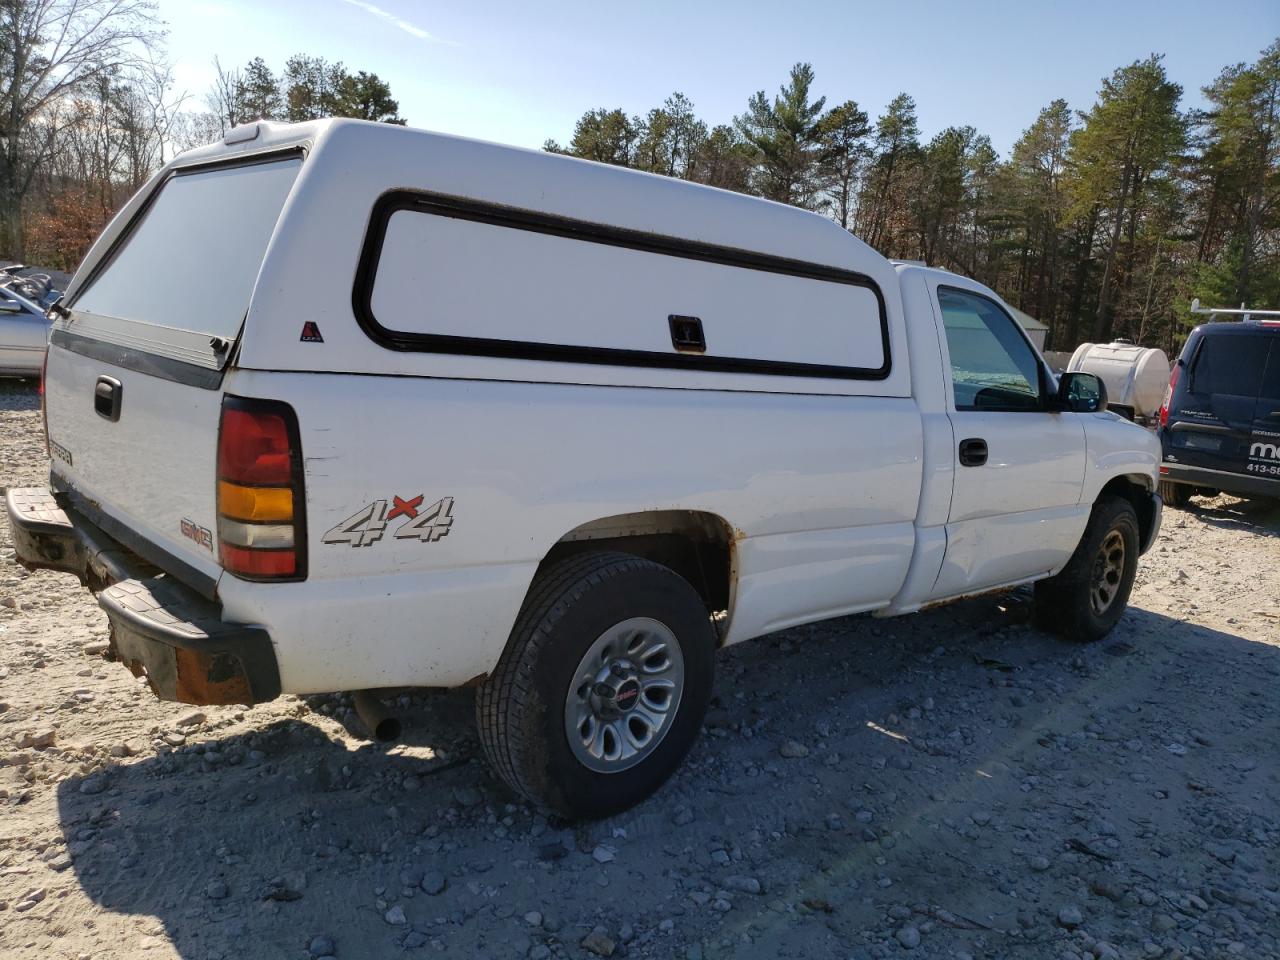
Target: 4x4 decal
(366, 526)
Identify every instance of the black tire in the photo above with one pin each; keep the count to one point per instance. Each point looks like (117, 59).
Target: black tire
(1174, 495)
(520, 709)
(1065, 602)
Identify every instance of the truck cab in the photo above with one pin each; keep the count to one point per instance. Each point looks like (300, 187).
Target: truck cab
(1013, 459)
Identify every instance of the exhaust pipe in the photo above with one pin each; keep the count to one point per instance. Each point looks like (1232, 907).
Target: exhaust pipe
(382, 725)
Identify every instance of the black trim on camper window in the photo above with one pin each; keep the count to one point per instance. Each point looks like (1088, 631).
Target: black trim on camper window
(588, 232)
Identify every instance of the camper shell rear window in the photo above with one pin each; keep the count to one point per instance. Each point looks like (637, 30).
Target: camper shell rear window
(177, 283)
(445, 275)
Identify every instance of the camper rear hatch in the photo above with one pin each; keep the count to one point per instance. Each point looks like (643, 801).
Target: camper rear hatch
(133, 391)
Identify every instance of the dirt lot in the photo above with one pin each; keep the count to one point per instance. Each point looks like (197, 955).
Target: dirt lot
(954, 784)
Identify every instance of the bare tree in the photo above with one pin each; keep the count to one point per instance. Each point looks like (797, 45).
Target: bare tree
(154, 80)
(191, 130)
(224, 97)
(48, 50)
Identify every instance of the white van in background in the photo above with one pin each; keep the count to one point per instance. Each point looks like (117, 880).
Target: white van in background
(345, 406)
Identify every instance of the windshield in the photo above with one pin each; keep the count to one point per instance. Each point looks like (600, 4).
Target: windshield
(193, 260)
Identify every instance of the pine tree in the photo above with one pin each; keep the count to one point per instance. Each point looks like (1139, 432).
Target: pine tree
(607, 136)
(1035, 194)
(258, 93)
(723, 160)
(1131, 135)
(843, 133)
(365, 96)
(784, 133)
(897, 147)
(310, 87)
(668, 138)
(1238, 173)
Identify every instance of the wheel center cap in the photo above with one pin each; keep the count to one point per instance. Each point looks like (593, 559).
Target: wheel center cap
(627, 695)
(617, 690)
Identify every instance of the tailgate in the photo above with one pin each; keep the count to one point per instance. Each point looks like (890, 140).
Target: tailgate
(152, 467)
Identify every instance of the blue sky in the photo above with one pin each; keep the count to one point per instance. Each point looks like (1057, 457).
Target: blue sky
(520, 72)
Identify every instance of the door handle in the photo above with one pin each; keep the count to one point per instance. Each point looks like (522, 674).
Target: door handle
(973, 452)
(106, 398)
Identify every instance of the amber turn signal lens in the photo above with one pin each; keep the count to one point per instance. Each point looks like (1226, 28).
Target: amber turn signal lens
(261, 504)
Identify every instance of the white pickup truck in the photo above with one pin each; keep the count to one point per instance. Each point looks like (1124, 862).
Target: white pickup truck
(344, 406)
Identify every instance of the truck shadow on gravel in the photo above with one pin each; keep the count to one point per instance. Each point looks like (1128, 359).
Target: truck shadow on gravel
(959, 773)
(19, 394)
(1259, 515)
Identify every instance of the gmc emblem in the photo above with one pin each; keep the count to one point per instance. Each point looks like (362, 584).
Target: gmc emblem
(201, 535)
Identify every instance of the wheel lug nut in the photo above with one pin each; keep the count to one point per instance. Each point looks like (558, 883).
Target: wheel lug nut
(616, 670)
(604, 691)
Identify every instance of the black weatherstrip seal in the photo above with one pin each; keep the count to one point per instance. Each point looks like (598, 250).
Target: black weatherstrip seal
(143, 361)
(518, 219)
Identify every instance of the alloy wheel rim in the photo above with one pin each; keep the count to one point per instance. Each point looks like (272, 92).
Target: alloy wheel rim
(1108, 573)
(624, 695)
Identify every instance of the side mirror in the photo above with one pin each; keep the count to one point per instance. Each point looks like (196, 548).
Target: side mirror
(1082, 393)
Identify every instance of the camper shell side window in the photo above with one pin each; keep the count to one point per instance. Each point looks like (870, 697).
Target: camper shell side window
(447, 275)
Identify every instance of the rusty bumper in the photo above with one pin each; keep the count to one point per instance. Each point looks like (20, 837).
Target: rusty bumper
(160, 627)
(185, 648)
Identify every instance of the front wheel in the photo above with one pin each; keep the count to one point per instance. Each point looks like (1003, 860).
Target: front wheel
(603, 685)
(1086, 598)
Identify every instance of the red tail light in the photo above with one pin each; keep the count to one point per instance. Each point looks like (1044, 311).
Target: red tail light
(261, 504)
(1168, 393)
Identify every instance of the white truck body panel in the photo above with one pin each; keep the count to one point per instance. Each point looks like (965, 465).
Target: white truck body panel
(822, 517)
(818, 428)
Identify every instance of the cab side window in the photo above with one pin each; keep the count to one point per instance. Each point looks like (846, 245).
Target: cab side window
(992, 365)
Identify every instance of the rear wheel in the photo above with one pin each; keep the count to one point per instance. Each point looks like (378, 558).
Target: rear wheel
(1174, 494)
(603, 685)
(1087, 597)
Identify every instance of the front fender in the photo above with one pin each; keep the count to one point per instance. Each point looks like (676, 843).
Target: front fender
(1115, 447)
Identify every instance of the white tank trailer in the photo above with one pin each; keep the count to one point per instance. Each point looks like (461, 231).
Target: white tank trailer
(1135, 376)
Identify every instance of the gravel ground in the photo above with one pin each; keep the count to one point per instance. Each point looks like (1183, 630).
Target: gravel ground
(953, 784)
